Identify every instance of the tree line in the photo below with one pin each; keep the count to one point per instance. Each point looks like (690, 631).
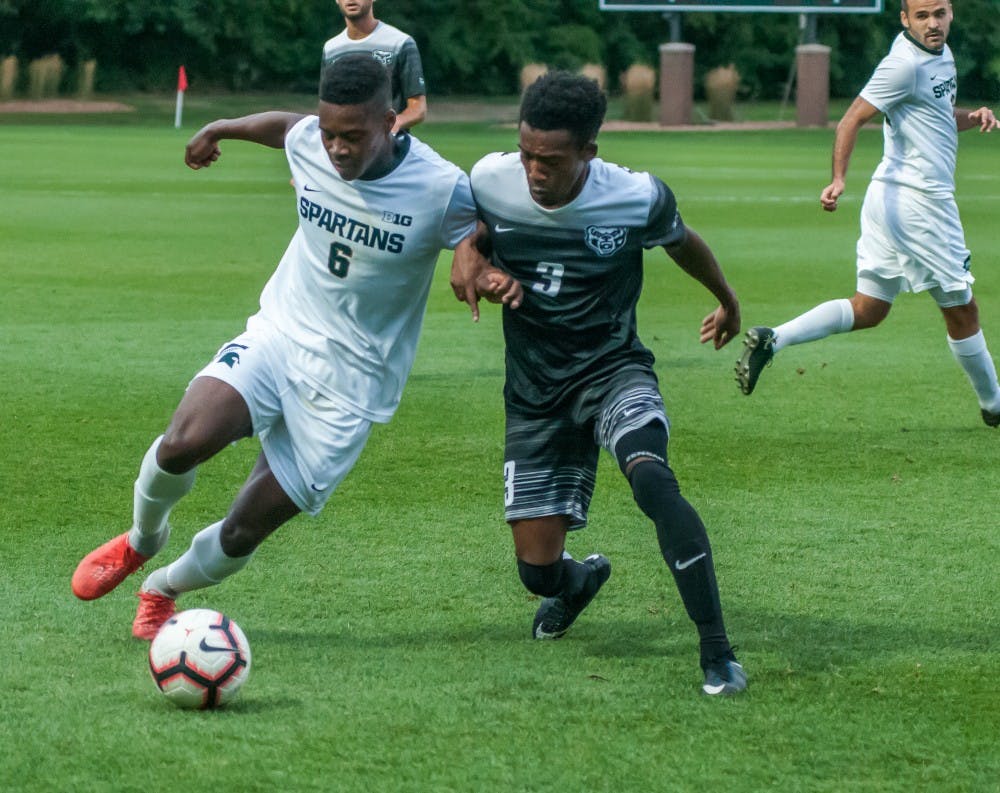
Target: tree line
(468, 47)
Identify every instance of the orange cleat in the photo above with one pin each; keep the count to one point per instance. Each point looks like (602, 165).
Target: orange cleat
(154, 610)
(105, 568)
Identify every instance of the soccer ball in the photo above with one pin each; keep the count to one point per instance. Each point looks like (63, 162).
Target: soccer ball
(199, 659)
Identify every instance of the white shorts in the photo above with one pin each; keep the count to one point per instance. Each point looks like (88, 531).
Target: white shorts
(912, 242)
(310, 442)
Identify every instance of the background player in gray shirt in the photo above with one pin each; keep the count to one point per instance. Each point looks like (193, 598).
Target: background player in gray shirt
(391, 47)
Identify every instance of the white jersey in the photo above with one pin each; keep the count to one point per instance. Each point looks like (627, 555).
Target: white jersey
(915, 88)
(351, 289)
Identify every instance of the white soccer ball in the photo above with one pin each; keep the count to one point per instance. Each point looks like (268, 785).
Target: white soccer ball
(199, 659)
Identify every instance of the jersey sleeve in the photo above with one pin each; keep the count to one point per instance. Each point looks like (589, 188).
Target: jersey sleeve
(892, 82)
(665, 226)
(293, 137)
(460, 216)
(410, 70)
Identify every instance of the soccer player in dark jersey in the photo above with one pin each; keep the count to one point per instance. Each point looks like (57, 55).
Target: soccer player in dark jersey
(572, 229)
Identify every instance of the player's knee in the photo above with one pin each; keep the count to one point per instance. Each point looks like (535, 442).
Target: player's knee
(179, 451)
(238, 539)
(545, 580)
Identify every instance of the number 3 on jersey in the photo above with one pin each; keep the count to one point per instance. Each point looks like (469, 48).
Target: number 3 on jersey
(551, 282)
(340, 259)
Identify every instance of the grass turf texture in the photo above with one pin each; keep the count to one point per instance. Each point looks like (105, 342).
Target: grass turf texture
(851, 503)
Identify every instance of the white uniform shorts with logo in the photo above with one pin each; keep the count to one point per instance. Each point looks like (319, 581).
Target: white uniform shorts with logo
(912, 242)
(310, 442)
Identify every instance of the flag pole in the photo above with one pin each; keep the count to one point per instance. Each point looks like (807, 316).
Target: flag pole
(182, 85)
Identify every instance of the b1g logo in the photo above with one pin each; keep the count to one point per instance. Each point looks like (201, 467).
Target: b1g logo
(397, 219)
(605, 240)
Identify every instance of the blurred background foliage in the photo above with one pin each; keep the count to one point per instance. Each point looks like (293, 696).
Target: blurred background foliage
(469, 47)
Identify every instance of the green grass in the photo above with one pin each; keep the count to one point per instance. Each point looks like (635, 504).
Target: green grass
(851, 503)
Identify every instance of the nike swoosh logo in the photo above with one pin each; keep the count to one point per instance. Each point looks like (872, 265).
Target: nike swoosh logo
(208, 648)
(317, 489)
(678, 565)
(501, 229)
(713, 689)
(309, 189)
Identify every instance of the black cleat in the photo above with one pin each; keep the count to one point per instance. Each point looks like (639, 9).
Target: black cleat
(724, 676)
(990, 419)
(758, 352)
(555, 615)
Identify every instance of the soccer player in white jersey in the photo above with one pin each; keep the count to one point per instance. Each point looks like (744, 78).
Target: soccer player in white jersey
(911, 235)
(396, 50)
(329, 350)
(572, 229)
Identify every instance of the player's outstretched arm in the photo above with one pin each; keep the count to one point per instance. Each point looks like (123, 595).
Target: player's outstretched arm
(695, 258)
(982, 118)
(858, 114)
(267, 129)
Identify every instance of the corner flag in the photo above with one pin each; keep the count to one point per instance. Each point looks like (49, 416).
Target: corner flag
(182, 84)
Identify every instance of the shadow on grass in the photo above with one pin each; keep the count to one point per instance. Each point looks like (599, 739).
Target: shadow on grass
(803, 643)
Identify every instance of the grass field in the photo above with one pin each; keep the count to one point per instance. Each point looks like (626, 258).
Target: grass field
(851, 502)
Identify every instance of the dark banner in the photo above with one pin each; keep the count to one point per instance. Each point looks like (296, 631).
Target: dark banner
(785, 6)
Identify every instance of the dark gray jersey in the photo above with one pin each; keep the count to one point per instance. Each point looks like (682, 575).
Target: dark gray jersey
(392, 47)
(581, 268)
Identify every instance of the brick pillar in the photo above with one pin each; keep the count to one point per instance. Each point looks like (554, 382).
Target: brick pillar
(676, 83)
(813, 94)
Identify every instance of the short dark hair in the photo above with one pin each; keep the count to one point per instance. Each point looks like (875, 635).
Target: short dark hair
(354, 80)
(561, 100)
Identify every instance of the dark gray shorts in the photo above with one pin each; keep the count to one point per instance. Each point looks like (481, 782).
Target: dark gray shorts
(550, 463)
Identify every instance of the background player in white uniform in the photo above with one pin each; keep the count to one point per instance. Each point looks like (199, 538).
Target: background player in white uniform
(911, 235)
(328, 352)
(392, 47)
(572, 229)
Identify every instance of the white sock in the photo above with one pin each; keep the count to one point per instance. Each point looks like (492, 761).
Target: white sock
(155, 494)
(833, 316)
(204, 564)
(974, 357)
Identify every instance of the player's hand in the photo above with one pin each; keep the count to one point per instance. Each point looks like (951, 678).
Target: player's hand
(496, 286)
(721, 326)
(202, 150)
(466, 267)
(984, 118)
(833, 191)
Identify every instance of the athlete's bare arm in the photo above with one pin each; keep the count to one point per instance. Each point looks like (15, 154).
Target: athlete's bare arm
(982, 118)
(468, 263)
(414, 112)
(695, 258)
(858, 114)
(473, 277)
(267, 129)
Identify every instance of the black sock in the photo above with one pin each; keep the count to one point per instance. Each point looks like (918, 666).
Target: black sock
(686, 550)
(564, 577)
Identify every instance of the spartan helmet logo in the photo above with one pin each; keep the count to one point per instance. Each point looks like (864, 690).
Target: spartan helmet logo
(605, 240)
(382, 56)
(230, 354)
